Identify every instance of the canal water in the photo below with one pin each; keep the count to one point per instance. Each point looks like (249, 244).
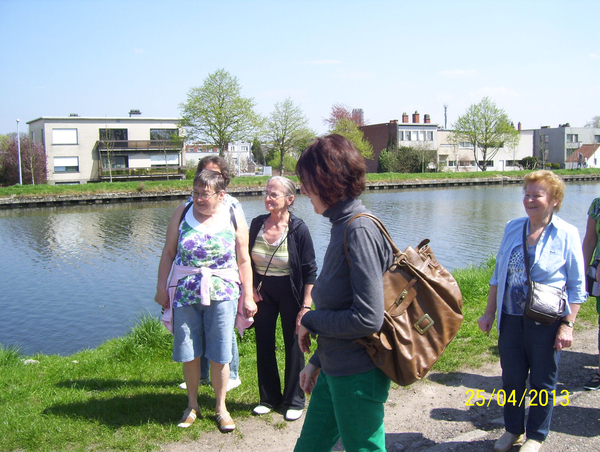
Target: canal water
(73, 277)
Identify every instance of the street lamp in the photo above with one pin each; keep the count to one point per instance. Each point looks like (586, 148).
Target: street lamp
(19, 153)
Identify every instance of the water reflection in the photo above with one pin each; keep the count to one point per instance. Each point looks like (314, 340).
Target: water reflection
(73, 277)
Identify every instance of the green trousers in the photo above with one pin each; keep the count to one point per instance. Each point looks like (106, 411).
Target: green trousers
(350, 408)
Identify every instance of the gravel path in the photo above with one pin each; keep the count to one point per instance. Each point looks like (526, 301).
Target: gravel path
(432, 415)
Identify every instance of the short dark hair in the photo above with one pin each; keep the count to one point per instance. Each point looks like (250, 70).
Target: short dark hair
(217, 160)
(210, 179)
(333, 168)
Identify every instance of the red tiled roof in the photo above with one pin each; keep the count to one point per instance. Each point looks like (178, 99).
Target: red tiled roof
(586, 149)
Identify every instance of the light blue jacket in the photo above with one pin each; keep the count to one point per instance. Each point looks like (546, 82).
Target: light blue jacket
(558, 260)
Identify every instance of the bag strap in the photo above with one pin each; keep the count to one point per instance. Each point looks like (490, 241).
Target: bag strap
(526, 253)
(381, 227)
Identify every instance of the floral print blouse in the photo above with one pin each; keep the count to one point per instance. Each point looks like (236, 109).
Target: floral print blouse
(206, 246)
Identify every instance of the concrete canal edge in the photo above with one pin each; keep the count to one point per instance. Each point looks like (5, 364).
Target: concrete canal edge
(16, 202)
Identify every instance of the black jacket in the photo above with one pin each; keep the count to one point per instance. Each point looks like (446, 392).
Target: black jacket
(303, 267)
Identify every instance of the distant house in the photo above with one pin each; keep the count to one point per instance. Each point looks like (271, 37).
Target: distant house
(238, 155)
(459, 157)
(586, 156)
(393, 134)
(92, 149)
(557, 144)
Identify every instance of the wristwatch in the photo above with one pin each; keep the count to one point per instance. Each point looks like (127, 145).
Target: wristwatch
(566, 322)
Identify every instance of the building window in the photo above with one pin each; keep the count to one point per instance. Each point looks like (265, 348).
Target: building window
(162, 159)
(118, 161)
(512, 163)
(465, 145)
(408, 135)
(163, 134)
(66, 164)
(429, 136)
(572, 138)
(244, 148)
(400, 135)
(422, 135)
(113, 134)
(64, 136)
(489, 163)
(597, 138)
(451, 163)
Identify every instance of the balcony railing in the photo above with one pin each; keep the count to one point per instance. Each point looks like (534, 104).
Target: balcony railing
(137, 145)
(151, 173)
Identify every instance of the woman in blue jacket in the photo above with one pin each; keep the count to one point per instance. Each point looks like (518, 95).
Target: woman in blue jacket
(528, 349)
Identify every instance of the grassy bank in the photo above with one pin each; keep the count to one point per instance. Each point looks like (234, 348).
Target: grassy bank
(240, 182)
(124, 394)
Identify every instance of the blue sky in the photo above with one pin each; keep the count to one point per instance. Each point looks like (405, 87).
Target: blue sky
(538, 60)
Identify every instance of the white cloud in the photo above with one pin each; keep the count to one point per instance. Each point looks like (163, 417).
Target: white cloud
(320, 62)
(459, 72)
(354, 75)
(594, 56)
(498, 94)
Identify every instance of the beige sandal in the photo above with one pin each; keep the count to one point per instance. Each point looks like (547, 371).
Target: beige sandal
(189, 416)
(225, 422)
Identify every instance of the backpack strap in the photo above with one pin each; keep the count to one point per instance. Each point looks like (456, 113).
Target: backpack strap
(231, 215)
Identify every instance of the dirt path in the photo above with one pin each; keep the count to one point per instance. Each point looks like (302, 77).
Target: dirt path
(432, 415)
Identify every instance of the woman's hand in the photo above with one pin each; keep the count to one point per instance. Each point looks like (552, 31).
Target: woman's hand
(308, 377)
(304, 339)
(162, 298)
(564, 337)
(250, 307)
(303, 311)
(485, 322)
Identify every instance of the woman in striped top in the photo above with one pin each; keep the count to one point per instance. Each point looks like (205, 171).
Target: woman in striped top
(284, 271)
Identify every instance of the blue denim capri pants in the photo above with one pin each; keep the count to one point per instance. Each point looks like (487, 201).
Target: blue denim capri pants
(203, 330)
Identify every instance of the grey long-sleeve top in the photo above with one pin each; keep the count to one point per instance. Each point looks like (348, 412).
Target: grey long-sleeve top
(348, 298)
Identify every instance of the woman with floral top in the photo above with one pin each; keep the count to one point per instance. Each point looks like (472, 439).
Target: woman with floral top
(203, 254)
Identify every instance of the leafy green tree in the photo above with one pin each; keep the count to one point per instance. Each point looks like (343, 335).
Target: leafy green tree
(529, 163)
(488, 128)
(287, 129)
(33, 160)
(595, 122)
(257, 152)
(348, 129)
(217, 113)
(405, 159)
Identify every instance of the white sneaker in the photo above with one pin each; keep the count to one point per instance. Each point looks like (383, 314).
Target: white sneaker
(232, 384)
(261, 409)
(292, 414)
(531, 445)
(203, 381)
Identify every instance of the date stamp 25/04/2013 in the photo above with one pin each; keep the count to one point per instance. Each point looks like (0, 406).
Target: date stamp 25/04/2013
(541, 398)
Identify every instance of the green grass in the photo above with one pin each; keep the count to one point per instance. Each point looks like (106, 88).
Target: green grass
(124, 395)
(239, 182)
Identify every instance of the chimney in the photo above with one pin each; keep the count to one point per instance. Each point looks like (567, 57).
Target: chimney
(416, 117)
(427, 119)
(393, 121)
(519, 126)
(405, 117)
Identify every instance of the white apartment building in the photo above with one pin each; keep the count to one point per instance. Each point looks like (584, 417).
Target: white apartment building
(460, 157)
(92, 149)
